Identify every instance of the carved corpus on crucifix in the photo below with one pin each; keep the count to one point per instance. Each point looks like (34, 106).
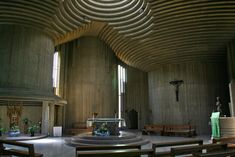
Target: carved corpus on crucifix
(176, 84)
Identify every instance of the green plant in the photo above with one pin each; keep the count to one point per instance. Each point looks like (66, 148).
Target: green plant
(103, 128)
(25, 121)
(34, 127)
(2, 130)
(14, 128)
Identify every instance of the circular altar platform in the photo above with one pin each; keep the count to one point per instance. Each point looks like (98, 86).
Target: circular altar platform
(125, 138)
(23, 137)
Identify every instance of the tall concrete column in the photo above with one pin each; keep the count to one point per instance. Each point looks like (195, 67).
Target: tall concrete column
(45, 118)
(232, 97)
(231, 71)
(91, 80)
(51, 118)
(26, 63)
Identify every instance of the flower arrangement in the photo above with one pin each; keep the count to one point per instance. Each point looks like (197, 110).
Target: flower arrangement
(14, 130)
(102, 130)
(34, 127)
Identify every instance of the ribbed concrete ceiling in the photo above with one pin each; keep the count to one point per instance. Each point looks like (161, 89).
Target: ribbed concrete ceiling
(142, 33)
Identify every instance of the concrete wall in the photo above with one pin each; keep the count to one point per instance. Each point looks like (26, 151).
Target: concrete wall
(137, 95)
(26, 62)
(90, 80)
(197, 95)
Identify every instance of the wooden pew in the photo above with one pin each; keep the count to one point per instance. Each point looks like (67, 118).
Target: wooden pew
(153, 128)
(189, 150)
(17, 152)
(187, 130)
(116, 153)
(107, 147)
(229, 140)
(217, 154)
(172, 144)
(168, 130)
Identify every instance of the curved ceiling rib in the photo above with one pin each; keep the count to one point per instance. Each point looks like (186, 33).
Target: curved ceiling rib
(30, 13)
(142, 33)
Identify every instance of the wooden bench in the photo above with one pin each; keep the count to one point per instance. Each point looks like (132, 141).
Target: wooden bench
(116, 153)
(108, 147)
(148, 129)
(217, 154)
(187, 130)
(17, 152)
(189, 150)
(229, 140)
(172, 144)
(169, 130)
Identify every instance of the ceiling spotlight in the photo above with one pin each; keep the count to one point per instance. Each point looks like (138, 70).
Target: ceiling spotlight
(141, 10)
(84, 18)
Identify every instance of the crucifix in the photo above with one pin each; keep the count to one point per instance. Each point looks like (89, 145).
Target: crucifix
(176, 83)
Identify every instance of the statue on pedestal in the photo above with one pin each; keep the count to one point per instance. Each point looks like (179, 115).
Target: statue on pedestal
(218, 105)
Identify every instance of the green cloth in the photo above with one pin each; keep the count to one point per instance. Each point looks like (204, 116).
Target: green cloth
(215, 124)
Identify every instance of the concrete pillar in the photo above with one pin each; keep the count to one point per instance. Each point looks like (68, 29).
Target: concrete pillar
(232, 98)
(45, 118)
(60, 115)
(26, 63)
(51, 118)
(231, 71)
(91, 83)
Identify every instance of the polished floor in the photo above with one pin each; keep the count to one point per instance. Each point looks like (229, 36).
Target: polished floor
(55, 146)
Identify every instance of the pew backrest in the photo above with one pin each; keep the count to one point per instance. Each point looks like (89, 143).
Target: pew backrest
(198, 149)
(217, 154)
(18, 152)
(106, 147)
(172, 144)
(116, 153)
(177, 143)
(229, 140)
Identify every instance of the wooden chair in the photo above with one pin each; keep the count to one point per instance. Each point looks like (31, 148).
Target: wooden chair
(18, 152)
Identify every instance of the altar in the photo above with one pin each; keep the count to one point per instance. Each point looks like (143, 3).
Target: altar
(106, 132)
(106, 126)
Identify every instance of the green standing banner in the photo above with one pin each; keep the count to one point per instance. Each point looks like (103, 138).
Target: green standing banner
(215, 124)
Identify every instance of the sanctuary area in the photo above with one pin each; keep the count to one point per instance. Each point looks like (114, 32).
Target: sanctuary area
(141, 69)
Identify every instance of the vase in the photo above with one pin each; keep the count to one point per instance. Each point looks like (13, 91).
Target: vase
(32, 133)
(13, 133)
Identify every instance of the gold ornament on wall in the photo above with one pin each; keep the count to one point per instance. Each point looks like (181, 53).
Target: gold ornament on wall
(14, 112)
